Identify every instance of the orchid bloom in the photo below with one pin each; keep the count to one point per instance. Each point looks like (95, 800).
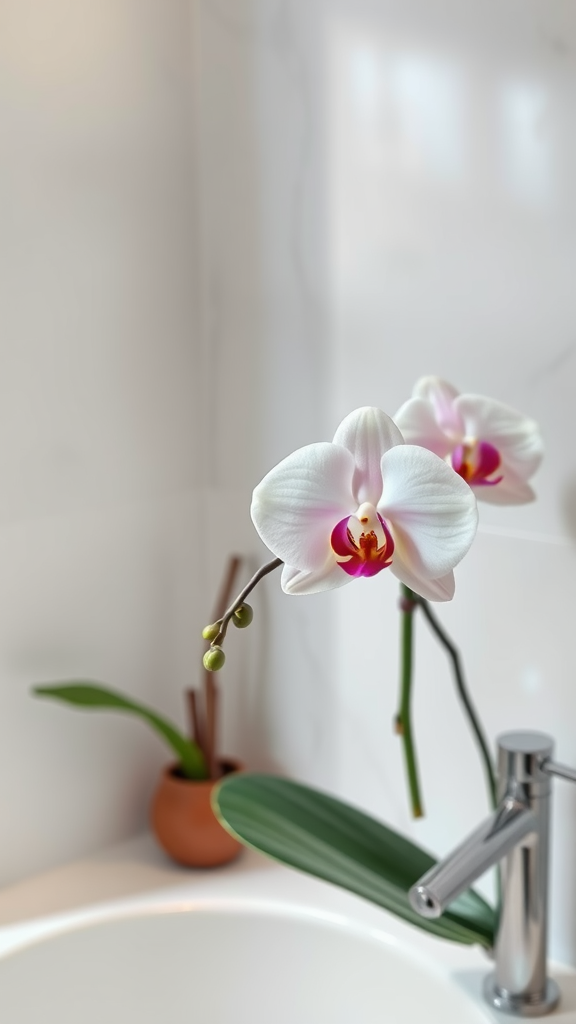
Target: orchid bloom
(365, 502)
(491, 446)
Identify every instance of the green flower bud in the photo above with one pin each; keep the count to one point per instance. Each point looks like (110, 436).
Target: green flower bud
(243, 616)
(214, 659)
(211, 632)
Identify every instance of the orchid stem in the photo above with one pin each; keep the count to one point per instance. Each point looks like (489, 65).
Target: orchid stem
(404, 716)
(225, 620)
(462, 689)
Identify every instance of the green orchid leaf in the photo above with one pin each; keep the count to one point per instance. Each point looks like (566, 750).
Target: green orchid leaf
(93, 696)
(322, 836)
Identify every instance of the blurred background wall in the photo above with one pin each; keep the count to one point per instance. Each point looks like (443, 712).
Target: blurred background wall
(227, 223)
(99, 424)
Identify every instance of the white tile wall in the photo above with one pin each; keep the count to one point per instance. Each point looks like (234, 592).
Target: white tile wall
(405, 174)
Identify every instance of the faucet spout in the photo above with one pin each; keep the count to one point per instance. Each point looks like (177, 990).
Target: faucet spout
(512, 822)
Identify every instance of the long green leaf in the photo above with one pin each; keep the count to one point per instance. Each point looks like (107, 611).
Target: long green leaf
(93, 696)
(324, 837)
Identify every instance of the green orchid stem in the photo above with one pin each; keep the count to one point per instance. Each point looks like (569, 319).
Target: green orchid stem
(404, 717)
(473, 719)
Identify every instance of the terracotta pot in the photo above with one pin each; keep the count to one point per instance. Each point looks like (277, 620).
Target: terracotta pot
(184, 822)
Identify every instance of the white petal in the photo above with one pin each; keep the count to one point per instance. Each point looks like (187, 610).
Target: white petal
(516, 437)
(442, 395)
(418, 425)
(299, 502)
(431, 511)
(329, 577)
(368, 433)
(432, 590)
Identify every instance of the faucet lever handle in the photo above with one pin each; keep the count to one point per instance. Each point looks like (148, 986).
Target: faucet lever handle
(561, 770)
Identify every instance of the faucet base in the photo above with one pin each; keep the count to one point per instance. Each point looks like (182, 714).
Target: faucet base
(518, 1005)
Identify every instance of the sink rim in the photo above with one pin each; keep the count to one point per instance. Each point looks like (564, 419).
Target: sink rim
(38, 932)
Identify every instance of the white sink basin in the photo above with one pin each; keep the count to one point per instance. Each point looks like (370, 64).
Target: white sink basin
(225, 966)
(126, 937)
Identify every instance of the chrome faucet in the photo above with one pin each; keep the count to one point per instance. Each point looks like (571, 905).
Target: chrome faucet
(518, 834)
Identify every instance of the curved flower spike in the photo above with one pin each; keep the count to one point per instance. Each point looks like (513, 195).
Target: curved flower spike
(334, 512)
(491, 446)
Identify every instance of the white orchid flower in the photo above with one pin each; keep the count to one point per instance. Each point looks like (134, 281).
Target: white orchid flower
(365, 502)
(491, 446)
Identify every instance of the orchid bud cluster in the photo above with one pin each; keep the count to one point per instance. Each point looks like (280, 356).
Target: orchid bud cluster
(241, 616)
(389, 493)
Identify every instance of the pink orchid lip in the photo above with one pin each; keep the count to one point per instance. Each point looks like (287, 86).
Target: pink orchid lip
(476, 462)
(364, 557)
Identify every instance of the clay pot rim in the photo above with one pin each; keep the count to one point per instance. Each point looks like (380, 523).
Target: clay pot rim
(229, 765)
